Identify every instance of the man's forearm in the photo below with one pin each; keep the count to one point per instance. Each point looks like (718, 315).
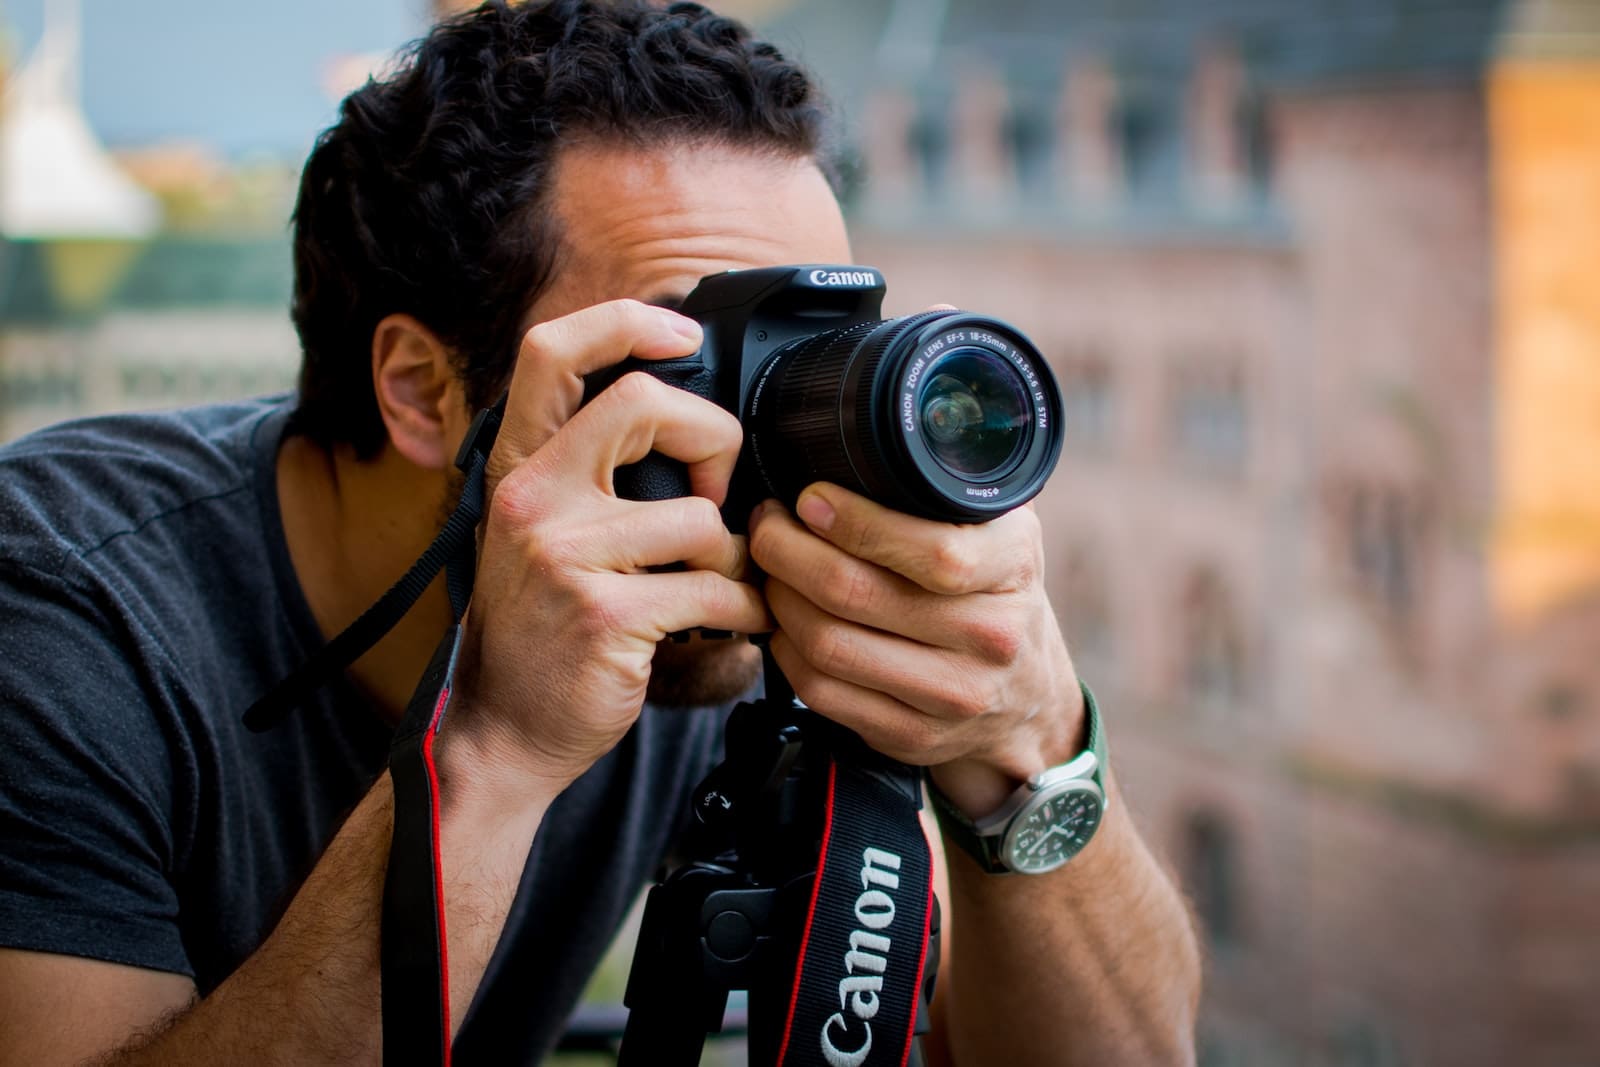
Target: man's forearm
(1095, 963)
(311, 992)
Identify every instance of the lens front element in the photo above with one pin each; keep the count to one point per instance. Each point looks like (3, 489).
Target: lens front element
(975, 413)
(945, 414)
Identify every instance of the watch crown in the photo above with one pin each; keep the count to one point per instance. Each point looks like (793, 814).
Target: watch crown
(1083, 766)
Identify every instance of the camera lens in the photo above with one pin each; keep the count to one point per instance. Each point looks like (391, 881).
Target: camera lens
(975, 413)
(946, 415)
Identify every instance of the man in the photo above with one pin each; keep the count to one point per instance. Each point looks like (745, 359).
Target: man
(518, 206)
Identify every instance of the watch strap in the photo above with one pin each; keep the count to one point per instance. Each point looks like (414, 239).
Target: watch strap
(986, 848)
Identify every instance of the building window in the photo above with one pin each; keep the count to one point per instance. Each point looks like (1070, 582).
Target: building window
(1256, 143)
(1147, 133)
(1382, 531)
(1210, 418)
(1029, 138)
(1086, 612)
(1210, 860)
(1214, 661)
(1087, 407)
(930, 147)
(1139, 133)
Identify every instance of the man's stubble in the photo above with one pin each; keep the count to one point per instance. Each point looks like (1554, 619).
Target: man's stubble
(700, 672)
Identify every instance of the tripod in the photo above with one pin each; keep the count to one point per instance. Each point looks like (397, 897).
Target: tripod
(736, 913)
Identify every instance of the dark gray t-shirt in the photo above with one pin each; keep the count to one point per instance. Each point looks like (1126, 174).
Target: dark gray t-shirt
(146, 598)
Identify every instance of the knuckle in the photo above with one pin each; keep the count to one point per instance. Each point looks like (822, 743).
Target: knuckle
(997, 641)
(729, 426)
(546, 339)
(1029, 565)
(516, 504)
(594, 615)
(829, 649)
(759, 539)
(1029, 552)
(719, 594)
(545, 547)
(865, 539)
(846, 585)
(968, 698)
(912, 738)
(700, 518)
(954, 567)
(809, 686)
(637, 388)
(630, 308)
(536, 339)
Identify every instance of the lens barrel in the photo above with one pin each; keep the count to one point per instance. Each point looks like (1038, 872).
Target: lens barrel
(946, 415)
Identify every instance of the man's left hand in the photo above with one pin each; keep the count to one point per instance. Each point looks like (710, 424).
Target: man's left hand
(933, 641)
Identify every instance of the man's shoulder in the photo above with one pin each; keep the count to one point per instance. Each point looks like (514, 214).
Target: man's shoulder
(72, 489)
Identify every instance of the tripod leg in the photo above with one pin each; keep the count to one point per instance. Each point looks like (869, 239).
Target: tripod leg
(671, 1004)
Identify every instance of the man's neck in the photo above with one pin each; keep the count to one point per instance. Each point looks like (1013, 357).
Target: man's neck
(353, 527)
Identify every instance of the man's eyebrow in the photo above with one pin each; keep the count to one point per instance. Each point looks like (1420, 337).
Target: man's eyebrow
(670, 301)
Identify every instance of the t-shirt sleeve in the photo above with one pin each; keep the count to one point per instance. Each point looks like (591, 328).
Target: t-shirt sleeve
(87, 781)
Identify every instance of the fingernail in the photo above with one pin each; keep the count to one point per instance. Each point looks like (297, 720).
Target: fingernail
(684, 326)
(816, 512)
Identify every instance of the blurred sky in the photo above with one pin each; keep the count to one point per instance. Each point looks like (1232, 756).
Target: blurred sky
(246, 78)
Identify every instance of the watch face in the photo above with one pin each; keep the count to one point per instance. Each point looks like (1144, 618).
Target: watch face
(1053, 828)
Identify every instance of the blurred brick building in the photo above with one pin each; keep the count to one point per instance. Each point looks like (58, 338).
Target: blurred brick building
(1321, 281)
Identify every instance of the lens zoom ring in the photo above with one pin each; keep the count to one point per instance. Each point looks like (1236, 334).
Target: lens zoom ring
(806, 411)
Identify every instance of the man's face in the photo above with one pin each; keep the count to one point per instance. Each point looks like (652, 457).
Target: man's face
(649, 224)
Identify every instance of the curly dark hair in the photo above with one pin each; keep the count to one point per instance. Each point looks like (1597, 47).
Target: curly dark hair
(428, 196)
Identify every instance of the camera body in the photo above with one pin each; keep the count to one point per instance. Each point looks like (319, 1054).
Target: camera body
(944, 414)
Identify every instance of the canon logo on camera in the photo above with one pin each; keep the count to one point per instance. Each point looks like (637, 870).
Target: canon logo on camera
(843, 277)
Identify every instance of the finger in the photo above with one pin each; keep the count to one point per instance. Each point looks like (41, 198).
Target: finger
(547, 384)
(574, 470)
(639, 414)
(652, 606)
(1001, 555)
(642, 534)
(852, 588)
(938, 683)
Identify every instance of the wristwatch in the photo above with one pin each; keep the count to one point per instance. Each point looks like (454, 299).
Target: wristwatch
(1046, 821)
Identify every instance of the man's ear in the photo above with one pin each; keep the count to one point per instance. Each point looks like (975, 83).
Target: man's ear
(419, 396)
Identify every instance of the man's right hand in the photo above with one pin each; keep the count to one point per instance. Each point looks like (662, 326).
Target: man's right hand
(566, 613)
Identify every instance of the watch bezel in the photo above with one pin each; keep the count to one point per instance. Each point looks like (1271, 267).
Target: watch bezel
(1039, 799)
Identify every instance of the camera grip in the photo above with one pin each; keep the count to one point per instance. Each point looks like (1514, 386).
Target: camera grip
(653, 478)
(656, 477)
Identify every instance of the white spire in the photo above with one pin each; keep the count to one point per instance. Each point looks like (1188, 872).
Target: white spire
(56, 179)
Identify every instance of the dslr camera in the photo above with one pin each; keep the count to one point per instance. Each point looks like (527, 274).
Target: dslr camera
(945, 414)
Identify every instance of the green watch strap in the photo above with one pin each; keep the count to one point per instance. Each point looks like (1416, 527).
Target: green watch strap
(986, 850)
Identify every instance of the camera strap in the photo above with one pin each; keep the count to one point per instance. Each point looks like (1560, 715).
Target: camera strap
(454, 551)
(864, 947)
(413, 958)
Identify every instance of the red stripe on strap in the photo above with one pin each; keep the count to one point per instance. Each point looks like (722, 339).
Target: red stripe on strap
(811, 911)
(438, 869)
(922, 962)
